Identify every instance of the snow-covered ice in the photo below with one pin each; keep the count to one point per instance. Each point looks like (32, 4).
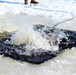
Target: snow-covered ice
(15, 16)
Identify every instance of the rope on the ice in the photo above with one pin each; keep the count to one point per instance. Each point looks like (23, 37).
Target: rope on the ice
(21, 3)
(29, 6)
(73, 16)
(65, 20)
(10, 2)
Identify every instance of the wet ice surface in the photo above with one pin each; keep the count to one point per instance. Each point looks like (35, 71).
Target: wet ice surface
(64, 64)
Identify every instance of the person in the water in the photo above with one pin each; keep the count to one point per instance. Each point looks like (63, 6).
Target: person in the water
(32, 1)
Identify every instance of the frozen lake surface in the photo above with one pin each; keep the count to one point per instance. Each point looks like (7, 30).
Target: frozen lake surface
(15, 16)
